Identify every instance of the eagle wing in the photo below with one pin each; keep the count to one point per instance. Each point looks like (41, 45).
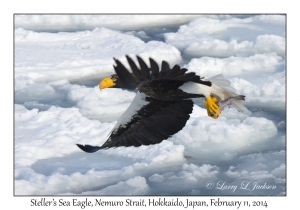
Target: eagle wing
(146, 121)
(144, 74)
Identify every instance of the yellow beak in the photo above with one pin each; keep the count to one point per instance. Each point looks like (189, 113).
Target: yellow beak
(106, 83)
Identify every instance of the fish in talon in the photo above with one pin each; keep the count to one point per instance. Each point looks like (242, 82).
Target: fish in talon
(222, 104)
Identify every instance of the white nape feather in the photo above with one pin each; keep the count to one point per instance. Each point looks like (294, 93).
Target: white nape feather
(220, 87)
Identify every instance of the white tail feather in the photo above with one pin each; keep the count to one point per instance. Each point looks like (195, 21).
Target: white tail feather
(222, 83)
(221, 88)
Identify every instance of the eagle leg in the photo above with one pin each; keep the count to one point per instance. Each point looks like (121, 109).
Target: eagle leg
(211, 107)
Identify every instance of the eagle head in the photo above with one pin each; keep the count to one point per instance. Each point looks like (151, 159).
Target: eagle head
(110, 82)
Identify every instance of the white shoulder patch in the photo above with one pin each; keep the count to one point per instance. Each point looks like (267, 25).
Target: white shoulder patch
(138, 102)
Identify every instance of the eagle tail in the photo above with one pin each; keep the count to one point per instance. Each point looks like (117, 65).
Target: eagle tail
(224, 86)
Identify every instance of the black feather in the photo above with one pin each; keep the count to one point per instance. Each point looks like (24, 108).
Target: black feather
(154, 68)
(134, 68)
(154, 123)
(125, 77)
(165, 69)
(144, 68)
(88, 148)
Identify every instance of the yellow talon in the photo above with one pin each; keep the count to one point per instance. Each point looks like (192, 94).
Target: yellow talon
(211, 107)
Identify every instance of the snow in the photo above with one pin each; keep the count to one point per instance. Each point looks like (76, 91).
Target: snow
(230, 37)
(235, 65)
(89, 22)
(80, 56)
(59, 61)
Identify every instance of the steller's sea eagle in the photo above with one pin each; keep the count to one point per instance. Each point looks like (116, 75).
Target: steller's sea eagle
(163, 103)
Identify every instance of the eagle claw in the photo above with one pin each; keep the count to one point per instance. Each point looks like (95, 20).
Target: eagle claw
(211, 107)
